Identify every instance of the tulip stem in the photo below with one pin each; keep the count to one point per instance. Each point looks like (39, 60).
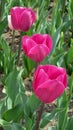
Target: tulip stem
(13, 36)
(19, 51)
(37, 64)
(38, 116)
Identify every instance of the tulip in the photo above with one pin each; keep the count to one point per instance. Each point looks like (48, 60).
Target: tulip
(49, 82)
(37, 47)
(21, 18)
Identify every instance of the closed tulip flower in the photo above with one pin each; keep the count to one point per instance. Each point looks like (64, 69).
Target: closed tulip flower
(21, 18)
(37, 47)
(49, 82)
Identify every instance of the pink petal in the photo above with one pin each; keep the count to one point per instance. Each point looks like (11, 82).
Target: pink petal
(38, 53)
(38, 38)
(53, 71)
(33, 16)
(25, 20)
(63, 77)
(27, 44)
(40, 78)
(48, 41)
(15, 16)
(49, 91)
(10, 23)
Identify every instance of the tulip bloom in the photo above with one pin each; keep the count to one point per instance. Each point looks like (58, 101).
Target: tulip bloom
(37, 47)
(49, 82)
(21, 18)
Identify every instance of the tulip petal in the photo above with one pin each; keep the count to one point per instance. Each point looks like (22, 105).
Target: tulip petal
(53, 71)
(49, 91)
(15, 16)
(38, 52)
(38, 38)
(25, 21)
(63, 78)
(47, 40)
(41, 77)
(53, 86)
(27, 44)
(33, 16)
(10, 23)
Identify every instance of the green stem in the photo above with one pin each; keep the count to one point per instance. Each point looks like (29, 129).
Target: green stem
(1, 4)
(66, 112)
(12, 104)
(63, 7)
(37, 64)
(39, 115)
(13, 36)
(19, 51)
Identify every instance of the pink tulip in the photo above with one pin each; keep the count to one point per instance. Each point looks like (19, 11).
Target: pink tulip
(49, 82)
(21, 18)
(37, 47)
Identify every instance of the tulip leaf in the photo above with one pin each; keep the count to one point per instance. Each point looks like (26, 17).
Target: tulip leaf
(16, 126)
(47, 117)
(56, 36)
(10, 126)
(33, 102)
(3, 122)
(71, 5)
(13, 83)
(28, 123)
(3, 24)
(13, 114)
(70, 55)
(28, 64)
(63, 116)
(70, 124)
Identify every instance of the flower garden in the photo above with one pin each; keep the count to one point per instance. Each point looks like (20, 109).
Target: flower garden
(36, 65)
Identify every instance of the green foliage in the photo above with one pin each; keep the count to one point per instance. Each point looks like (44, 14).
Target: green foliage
(13, 84)
(33, 103)
(12, 126)
(28, 66)
(63, 116)
(17, 108)
(7, 61)
(3, 25)
(13, 114)
(70, 124)
(47, 117)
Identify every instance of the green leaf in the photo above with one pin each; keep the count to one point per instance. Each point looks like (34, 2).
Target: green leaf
(63, 116)
(3, 122)
(5, 55)
(17, 127)
(33, 102)
(14, 113)
(12, 84)
(56, 38)
(71, 6)
(47, 117)
(10, 126)
(3, 24)
(56, 35)
(28, 123)
(70, 55)
(3, 106)
(70, 124)
(28, 65)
